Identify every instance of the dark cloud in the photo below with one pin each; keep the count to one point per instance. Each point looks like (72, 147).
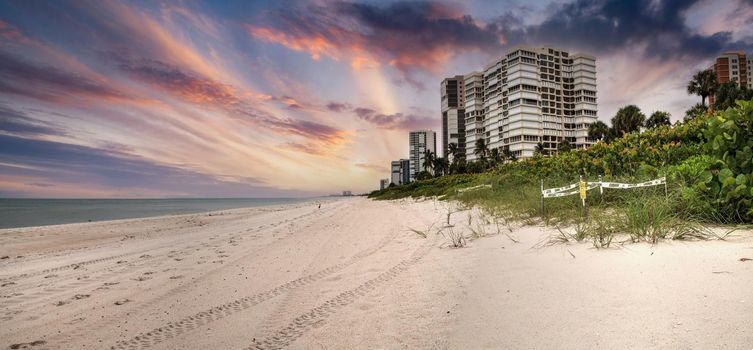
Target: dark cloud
(422, 34)
(24, 78)
(186, 85)
(604, 26)
(39, 184)
(307, 129)
(61, 163)
(338, 107)
(405, 26)
(19, 123)
(394, 121)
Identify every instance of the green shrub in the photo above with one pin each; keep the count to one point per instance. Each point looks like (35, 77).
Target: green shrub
(729, 139)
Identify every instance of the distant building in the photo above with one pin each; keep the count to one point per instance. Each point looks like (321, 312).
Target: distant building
(530, 96)
(347, 193)
(419, 142)
(453, 114)
(384, 183)
(400, 171)
(735, 67)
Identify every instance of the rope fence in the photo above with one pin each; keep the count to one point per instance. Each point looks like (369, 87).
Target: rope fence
(582, 187)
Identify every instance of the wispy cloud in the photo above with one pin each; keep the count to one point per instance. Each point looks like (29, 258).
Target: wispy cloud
(19, 123)
(394, 121)
(407, 35)
(373, 167)
(51, 163)
(172, 79)
(23, 78)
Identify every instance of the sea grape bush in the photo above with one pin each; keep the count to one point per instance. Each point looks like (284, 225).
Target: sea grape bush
(635, 154)
(729, 140)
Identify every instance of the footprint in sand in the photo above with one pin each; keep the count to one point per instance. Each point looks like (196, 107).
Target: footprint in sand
(176, 277)
(61, 303)
(50, 276)
(121, 302)
(141, 278)
(81, 296)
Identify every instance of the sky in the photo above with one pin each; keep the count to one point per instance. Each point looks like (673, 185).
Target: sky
(146, 99)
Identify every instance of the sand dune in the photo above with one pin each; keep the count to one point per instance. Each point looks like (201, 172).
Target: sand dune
(352, 275)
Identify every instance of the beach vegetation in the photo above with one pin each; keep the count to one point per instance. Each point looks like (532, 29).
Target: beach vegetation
(707, 161)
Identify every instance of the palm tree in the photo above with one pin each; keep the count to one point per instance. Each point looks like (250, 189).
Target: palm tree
(481, 151)
(628, 119)
(440, 166)
(703, 84)
(540, 149)
(657, 119)
(565, 146)
(507, 154)
(428, 160)
(727, 93)
(598, 130)
(452, 150)
(457, 157)
(494, 156)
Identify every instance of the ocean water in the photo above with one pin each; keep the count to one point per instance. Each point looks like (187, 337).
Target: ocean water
(39, 212)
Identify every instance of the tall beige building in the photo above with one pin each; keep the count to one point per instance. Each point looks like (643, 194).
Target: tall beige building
(474, 112)
(530, 96)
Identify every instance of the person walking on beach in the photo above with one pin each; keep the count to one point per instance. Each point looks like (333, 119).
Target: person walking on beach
(320, 205)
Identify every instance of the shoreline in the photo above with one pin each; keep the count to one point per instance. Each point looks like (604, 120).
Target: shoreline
(145, 214)
(353, 274)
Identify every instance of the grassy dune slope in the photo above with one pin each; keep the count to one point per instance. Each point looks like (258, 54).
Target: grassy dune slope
(708, 162)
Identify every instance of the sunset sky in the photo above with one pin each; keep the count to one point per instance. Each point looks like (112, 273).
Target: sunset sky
(271, 99)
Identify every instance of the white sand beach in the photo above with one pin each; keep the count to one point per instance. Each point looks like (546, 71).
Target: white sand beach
(353, 275)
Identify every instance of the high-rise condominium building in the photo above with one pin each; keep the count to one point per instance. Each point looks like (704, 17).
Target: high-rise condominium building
(419, 142)
(453, 115)
(401, 173)
(733, 66)
(530, 96)
(474, 112)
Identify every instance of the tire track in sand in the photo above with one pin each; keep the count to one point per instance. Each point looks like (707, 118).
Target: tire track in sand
(190, 323)
(318, 315)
